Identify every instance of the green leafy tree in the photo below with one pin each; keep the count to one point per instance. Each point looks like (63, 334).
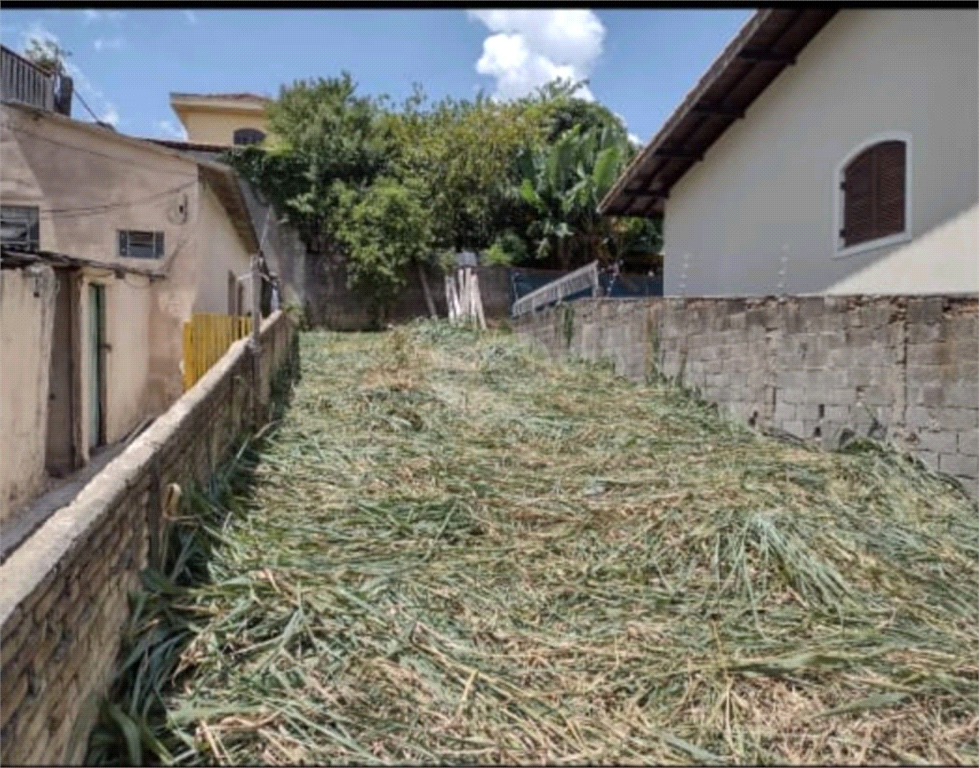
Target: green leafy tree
(384, 230)
(47, 54)
(327, 141)
(462, 154)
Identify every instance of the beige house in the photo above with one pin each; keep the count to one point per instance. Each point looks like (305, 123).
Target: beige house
(217, 121)
(221, 119)
(110, 243)
(821, 144)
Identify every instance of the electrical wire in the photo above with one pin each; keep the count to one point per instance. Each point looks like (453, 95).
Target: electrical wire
(92, 210)
(127, 163)
(84, 104)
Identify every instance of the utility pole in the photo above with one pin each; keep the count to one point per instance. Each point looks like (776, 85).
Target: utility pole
(256, 341)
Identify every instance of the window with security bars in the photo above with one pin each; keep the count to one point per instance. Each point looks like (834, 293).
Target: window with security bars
(137, 244)
(874, 193)
(20, 227)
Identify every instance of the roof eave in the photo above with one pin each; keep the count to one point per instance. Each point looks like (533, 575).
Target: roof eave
(618, 200)
(224, 182)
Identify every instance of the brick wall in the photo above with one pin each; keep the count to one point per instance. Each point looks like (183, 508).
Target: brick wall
(901, 367)
(65, 590)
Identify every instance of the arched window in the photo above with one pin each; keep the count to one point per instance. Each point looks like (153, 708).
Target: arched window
(248, 136)
(874, 207)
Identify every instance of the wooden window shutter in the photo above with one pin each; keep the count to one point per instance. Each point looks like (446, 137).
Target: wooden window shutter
(874, 193)
(889, 197)
(858, 199)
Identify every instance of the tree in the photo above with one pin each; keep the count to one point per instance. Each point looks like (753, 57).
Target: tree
(47, 54)
(462, 155)
(384, 230)
(327, 142)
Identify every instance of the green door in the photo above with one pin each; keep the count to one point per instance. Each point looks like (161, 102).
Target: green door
(96, 365)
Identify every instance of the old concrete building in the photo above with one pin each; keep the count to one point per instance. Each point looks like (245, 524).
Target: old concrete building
(214, 123)
(818, 144)
(110, 244)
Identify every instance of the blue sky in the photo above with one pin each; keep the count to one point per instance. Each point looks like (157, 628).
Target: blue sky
(640, 63)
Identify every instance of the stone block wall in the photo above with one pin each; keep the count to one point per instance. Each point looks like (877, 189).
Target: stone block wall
(904, 368)
(65, 590)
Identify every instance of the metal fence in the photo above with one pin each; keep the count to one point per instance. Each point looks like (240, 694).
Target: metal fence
(526, 286)
(206, 339)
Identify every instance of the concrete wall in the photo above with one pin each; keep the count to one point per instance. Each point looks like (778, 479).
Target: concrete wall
(222, 252)
(65, 595)
(95, 183)
(329, 303)
(284, 250)
(62, 453)
(902, 367)
(768, 187)
(26, 323)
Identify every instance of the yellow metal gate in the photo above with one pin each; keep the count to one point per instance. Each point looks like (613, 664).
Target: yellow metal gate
(207, 338)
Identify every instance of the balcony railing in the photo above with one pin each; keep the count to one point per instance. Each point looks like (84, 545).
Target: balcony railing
(25, 82)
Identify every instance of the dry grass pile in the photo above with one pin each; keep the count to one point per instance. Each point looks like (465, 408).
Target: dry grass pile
(458, 552)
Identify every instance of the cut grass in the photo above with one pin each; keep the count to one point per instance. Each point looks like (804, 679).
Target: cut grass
(458, 552)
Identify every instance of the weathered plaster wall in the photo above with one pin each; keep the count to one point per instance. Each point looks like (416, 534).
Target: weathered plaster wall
(904, 367)
(65, 595)
(26, 325)
(221, 252)
(92, 183)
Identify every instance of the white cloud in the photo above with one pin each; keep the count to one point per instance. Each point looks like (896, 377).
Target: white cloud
(110, 116)
(625, 124)
(102, 44)
(530, 48)
(190, 16)
(172, 131)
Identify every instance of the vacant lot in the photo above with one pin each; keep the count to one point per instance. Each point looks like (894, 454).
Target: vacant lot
(454, 551)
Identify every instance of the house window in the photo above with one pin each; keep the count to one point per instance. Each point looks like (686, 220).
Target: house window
(874, 196)
(248, 136)
(19, 227)
(140, 245)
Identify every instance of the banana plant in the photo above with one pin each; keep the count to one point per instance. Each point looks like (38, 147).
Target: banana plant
(564, 183)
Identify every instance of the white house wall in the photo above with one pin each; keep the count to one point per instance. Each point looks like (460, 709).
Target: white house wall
(948, 255)
(766, 188)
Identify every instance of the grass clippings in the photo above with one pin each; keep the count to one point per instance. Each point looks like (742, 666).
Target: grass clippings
(455, 551)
